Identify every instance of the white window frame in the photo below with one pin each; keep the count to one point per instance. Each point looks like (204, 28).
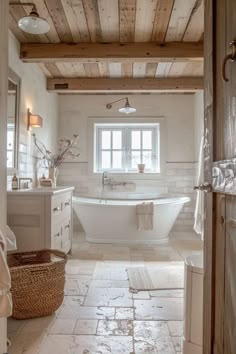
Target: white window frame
(93, 122)
(11, 128)
(126, 148)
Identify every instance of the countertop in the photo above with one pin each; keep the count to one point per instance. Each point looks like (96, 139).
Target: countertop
(40, 191)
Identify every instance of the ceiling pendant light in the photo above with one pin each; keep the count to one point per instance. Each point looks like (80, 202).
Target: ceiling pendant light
(33, 23)
(127, 109)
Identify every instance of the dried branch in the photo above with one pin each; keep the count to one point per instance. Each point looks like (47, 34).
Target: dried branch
(54, 160)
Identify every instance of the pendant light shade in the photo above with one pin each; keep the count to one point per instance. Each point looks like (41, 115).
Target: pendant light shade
(127, 109)
(33, 24)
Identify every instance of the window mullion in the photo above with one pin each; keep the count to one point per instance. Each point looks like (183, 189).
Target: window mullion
(111, 150)
(141, 145)
(129, 150)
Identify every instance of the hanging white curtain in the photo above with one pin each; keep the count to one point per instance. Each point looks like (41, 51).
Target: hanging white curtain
(199, 209)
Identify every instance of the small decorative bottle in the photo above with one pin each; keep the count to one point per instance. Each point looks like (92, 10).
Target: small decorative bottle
(14, 182)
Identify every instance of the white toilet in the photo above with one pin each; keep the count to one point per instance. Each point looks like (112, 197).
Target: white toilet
(193, 317)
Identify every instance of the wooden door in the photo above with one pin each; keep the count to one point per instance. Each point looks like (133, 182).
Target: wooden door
(220, 114)
(3, 130)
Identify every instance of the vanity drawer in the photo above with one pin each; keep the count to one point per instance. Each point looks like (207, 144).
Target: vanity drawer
(66, 235)
(56, 205)
(61, 205)
(57, 237)
(66, 202)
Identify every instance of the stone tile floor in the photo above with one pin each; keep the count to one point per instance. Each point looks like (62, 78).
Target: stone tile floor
(99, 314)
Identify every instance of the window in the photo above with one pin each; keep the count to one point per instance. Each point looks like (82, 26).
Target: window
(119, 148)
(10, 145)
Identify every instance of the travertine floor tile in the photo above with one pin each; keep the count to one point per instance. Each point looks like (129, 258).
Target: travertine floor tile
(124, 313)
(30, 336)
(165, 346)
(94, 283)
(86, 344)
(177, 341)
(86, 327)
(82, 267)
(176, 328)
(77, 286)
(159, 309)
(115, 328)
(106, 272)
(152, 337)
(109, 297)
(86, 312)
(63, 326)
(73, 300)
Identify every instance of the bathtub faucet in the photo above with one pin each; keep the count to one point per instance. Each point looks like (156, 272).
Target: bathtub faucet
(105, 179)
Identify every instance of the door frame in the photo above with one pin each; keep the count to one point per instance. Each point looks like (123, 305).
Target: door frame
(4, 15)
(214, 226)
(208, 312)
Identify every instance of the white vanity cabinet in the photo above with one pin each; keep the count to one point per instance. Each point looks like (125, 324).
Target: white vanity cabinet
(41, 218)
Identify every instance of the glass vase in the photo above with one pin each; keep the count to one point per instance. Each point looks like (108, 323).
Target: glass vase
(53, 174)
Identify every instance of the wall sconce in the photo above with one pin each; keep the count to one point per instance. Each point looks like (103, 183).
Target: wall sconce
(34, 120)
(126, 109)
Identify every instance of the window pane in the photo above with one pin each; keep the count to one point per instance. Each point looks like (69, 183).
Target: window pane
(117, 159)
(136, 139)
(147, 139)
(135, 158)
(106, 139)
(147, 159)
(116, 139)
(106, 159)
(9, 159)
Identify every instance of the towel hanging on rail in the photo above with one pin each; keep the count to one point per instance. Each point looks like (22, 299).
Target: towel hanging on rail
(144, 214)
(199, 208)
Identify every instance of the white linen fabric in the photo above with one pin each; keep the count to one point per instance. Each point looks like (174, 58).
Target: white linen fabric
(199, 208)
(145, 213)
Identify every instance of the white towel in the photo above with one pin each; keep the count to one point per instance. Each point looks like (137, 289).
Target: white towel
(11, 239)
(199, 208)
(144, 213)
(5, 282)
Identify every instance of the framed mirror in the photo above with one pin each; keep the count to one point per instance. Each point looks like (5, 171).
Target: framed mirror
(13, 120)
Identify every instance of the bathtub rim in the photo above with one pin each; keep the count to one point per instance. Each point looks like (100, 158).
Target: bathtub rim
(129, 202)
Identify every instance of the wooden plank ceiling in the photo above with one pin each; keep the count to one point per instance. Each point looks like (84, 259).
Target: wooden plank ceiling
(117, 21)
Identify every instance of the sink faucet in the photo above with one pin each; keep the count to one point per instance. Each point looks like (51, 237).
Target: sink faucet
(105, 179)
(25, 179)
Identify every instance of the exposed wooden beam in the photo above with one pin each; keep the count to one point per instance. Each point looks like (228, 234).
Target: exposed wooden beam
(108, 52)
(67, 85)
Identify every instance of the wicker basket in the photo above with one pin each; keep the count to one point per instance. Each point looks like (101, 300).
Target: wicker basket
(38, 280)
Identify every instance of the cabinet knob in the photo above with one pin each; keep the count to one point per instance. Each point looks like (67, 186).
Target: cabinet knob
(67, 204)
(57, 235)
(57, 209)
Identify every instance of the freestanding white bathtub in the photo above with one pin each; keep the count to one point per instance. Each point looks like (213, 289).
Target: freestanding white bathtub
(114, 221)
